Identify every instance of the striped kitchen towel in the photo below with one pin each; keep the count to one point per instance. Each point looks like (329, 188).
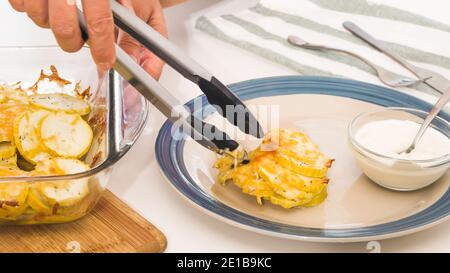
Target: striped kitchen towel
(264, 29)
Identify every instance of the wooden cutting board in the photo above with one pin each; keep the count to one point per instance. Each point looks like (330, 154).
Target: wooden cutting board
(111, 227)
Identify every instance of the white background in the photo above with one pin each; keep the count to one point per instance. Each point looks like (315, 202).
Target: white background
(136, 177)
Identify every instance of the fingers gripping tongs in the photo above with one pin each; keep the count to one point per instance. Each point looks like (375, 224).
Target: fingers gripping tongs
(217, 93)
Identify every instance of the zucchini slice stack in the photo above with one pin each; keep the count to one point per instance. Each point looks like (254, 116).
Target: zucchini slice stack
(48, 134)
(287, 169)
(58, 197)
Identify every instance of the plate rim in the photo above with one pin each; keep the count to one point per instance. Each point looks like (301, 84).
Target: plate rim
(245, 86)
(302, 238)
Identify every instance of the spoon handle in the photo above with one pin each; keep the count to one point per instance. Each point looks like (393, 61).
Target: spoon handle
(433, 113)
(292, 40)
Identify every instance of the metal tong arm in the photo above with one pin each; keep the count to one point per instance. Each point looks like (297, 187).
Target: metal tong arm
(158, 44)
(205, 134)
(215, 91)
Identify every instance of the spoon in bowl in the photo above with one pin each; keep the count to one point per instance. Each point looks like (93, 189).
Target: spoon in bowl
(426, 123)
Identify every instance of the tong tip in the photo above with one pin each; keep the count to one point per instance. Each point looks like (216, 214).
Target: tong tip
(230, 106)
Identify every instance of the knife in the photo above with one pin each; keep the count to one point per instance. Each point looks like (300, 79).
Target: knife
(435, 81)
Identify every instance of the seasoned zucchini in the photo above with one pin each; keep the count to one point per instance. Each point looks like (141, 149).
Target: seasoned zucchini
(27, 138)
(63, 192)
(66, 135)
(7, 150)
(12, 195)
(61, 102)
(290, 175)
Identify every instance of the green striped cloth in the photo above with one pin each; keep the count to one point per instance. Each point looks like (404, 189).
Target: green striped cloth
(264, 29)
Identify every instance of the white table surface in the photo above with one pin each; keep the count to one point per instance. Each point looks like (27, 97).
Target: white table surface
(136, 178)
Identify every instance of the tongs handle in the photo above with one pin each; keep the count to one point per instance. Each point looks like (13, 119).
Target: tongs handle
(218, 95)
(205, 134)
(158, 44)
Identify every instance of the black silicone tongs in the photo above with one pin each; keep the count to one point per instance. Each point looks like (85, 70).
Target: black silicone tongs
(218, 95)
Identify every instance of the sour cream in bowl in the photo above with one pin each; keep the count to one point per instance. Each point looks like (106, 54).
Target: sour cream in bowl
(377, 140)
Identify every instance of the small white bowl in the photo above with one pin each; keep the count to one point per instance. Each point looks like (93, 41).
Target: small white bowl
(393, 173)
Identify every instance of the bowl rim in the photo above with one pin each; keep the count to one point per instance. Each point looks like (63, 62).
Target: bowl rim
(437, 161)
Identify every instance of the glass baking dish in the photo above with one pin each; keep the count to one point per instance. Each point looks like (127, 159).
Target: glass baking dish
(118, 117)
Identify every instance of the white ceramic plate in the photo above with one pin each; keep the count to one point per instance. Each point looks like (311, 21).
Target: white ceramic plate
(356, 208)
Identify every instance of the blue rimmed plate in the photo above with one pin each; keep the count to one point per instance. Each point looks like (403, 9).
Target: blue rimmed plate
(355, 210)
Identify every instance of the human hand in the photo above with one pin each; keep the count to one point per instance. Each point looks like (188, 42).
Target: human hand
(62, 17)
(149, 11)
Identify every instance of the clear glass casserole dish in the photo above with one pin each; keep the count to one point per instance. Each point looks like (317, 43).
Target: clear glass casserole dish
(118, 116)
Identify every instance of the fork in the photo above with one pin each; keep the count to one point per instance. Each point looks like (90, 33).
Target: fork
(387, 77)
